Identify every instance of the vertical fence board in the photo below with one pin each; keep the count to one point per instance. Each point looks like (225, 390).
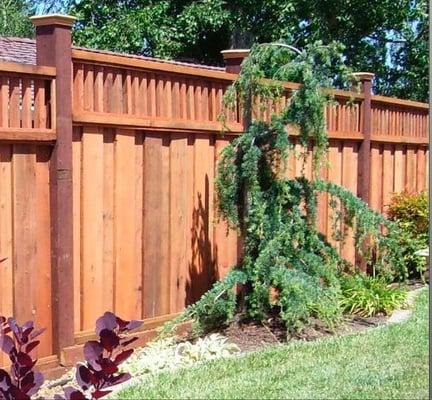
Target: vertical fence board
(42, 273)
(109, 262)
(179, 198)
(127, 270)
(92, 275)
(152, 236)
(77, 261)
(6, 236)
(349, 180)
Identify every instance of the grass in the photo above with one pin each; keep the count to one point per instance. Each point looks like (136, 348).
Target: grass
(390, 362)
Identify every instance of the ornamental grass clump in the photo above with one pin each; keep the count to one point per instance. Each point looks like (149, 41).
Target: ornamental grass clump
(283, 251)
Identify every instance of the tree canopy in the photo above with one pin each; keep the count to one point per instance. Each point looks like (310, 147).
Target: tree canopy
(12, 18)
(387, 37)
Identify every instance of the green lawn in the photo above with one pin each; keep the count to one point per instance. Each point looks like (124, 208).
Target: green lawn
(381, 363)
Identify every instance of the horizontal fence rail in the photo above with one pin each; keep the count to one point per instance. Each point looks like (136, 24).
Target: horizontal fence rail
(27, 102)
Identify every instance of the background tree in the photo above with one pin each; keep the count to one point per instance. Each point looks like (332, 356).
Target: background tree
(14, 18)
(388, 37)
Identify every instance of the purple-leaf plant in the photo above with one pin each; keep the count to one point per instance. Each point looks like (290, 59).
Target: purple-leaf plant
(17, 342)
(102, 359)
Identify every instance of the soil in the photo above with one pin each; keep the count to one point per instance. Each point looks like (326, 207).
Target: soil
(252, 335)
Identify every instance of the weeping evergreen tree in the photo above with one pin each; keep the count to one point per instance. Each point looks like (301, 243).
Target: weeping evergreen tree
(283, 252)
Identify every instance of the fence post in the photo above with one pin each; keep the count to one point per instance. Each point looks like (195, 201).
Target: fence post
(364, 162)
(53, 48)
(233, 59)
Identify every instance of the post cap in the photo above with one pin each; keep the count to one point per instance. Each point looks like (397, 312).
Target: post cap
(364, 76)
(53, 19)
(235, 53)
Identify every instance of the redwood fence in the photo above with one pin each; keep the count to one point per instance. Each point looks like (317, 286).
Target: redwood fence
(107, 166)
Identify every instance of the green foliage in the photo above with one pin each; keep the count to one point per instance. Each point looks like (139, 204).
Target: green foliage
(215, 307)
(383, 251)
(410, 211)
(368, 296)
(14, 18)
(387, 37)
(283, 251)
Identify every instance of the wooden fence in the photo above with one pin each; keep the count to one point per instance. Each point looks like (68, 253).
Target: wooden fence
(108, 203)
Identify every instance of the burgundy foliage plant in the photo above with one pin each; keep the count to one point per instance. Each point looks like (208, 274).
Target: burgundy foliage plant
(17, 342)
(100, 370)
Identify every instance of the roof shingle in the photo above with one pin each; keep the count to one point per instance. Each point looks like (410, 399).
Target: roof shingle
(23, 51)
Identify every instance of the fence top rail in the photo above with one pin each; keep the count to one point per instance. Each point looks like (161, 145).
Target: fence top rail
(27, 69)
(123, 61)
(399, 102)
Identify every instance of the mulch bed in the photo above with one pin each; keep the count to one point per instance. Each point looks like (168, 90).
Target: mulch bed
(252, 335)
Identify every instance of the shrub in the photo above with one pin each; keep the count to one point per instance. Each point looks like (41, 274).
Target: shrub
(275, 214)
(368, 296)
(103, 357)
(411, 212)
(99, 372)
(22, 382)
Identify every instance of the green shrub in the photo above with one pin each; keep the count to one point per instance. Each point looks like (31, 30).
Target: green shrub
(368, 296)
(411, 212)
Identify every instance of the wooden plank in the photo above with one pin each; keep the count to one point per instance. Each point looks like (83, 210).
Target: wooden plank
(92, 274)
(108, 257)
(4, 101)
(335, 176)
(179, 197)
(151, 65)
(411, 169)
(89, 86)
(117, 101)
(78, 88)
(400, 102)
(139, 217)
(107, 91)
(125, 121)
(421, 168)
(42, 273)
(40, 106)
(6, 236)
(98, 89)
(76, 193)
(152, 235)
(349, 180)
(27, 69)
(14, 103)
(164, 199)
(225, 241)
(26, 103)
(399, 168)
(24, 232)
(376, 178)
(27, 135)
(160, 97)
(142, 98)
(127, 94)
(201, 245)
(127, 278)
(388, 176)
